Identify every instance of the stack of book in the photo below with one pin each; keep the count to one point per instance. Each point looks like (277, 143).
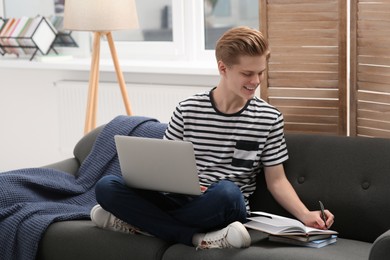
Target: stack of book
(26, 35)
(290, 231)
(315, 241)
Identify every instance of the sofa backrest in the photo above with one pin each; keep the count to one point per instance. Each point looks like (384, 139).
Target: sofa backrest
(350, 175)
(84, 146)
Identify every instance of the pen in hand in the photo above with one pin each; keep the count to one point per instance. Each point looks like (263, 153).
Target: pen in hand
(323, 213)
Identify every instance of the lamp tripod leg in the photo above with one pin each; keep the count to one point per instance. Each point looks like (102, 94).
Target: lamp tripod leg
(119, 74)
(90, 119)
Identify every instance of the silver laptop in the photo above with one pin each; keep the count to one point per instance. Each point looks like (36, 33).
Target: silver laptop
(156, 164)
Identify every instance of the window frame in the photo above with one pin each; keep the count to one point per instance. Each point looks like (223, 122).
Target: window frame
(188, 38)
(188, 43)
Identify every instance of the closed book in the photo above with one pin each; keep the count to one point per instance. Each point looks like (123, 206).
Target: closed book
(2, 23)
(318, 243)
(28, 33)
(4, 34)
(305, 238)
(15, 34)
(22, 35)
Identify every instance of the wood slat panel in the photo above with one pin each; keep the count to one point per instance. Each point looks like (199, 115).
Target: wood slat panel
(370, 78)
(374, 115)
(311, 128)
(326, 120)
(296, 7)
(372, 33)
(304, 59)
(271, 2)
(376, 97)
(302, 41)
(304, 50)
(323, 33)
(372, 47)
(367, 51)
(304, 67)
(374, 124)
(372, 132)
(309, 16)
(367, 1)
(373, 7)
(377, 60)
(298, 83)
(303, 93)
(373, 15)
(377, 42)
(309, 111)
(381, 108)
(370, 86)
(303, 26)
(374, 70)
(304, 78)
(303, 75)
(307, 103)
(373, 25)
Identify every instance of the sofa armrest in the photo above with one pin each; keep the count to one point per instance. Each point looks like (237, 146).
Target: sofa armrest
(381, 247)
(70, 166)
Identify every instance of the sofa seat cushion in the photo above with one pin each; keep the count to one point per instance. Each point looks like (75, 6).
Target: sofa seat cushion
(261, 249)
(81, 239)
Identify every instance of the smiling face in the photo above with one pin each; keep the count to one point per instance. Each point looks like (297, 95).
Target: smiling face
(242, 55)
(244, 78)
(239, 82)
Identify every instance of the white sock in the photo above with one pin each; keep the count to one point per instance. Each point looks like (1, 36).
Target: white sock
(197, 238)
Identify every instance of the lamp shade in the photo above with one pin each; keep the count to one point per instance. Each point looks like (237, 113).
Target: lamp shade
(100, 15)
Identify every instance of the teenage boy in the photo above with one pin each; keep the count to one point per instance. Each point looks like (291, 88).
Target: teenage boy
(235, 134)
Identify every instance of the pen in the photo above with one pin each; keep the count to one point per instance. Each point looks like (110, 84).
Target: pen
(323, 213)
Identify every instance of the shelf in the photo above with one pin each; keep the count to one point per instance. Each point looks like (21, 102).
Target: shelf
(127, 66)
(27, 36)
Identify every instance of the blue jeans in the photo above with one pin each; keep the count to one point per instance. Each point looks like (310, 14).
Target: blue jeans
(172, 217)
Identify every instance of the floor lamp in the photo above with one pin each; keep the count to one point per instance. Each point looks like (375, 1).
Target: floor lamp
(101, 17)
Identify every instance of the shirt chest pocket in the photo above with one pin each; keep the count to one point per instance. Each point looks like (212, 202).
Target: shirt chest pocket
(245, 154)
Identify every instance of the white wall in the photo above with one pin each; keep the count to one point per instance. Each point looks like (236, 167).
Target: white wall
(28, 114)
(30, 133)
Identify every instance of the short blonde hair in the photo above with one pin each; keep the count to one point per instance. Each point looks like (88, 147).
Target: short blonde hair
(240, 41)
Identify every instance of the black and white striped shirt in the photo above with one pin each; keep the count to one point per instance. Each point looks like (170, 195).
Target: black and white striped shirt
(230, 146)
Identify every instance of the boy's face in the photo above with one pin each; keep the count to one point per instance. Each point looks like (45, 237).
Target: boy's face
(244, 78)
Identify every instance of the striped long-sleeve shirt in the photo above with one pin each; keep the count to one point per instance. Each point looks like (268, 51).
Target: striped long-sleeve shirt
(230, 146)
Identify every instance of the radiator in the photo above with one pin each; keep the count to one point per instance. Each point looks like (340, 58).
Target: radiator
(157, 101)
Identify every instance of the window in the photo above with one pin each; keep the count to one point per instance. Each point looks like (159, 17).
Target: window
(155, 20)
(220, 16)
(160, 37)
(169, 29)
(182, 30)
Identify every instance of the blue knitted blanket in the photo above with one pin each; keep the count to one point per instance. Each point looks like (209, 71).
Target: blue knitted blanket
(31, 199)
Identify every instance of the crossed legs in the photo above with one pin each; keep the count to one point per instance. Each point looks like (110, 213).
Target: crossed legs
(172, 217)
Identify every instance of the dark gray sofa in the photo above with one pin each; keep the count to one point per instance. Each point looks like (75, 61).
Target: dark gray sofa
(350, 175)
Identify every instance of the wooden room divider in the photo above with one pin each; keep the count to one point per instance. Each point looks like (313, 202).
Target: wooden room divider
(370, 68)
(307, 71)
